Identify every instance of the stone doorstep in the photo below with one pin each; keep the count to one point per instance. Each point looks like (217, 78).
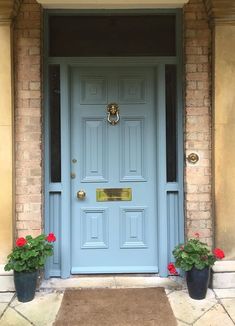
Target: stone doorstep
(223, 275)
(7, 283)
(224, 266)
(92, 281)
(4, 273)
(101, 281)
(223, 280)
(111, 282)
(6, 280)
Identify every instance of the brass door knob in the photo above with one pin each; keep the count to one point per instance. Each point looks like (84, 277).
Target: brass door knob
(81, 194)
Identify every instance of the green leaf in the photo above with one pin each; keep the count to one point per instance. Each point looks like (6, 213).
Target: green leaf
(31, 256)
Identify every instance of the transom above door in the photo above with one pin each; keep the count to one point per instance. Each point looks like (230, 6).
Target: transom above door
(113, 161)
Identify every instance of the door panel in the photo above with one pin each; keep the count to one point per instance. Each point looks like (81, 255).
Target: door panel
(113, 236)
(132, 150)
(94, 228)
(94, 150)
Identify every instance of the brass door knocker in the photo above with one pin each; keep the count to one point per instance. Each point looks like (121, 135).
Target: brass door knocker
(113, 113)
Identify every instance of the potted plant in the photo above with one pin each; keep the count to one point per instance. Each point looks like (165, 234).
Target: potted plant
(26, 259)
(195, 258)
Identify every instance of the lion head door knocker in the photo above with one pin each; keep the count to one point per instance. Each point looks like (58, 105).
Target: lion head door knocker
(113, 113)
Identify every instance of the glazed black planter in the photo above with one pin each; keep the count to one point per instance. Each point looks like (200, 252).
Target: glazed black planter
(25, 285)
(197, 282)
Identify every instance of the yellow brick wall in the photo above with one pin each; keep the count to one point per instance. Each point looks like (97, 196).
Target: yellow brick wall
(6, 150)
(224, 138)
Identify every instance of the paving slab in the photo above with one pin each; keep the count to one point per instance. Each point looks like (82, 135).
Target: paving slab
(79, 282)
(168, 291)
(225, 293)
(3, 306)
(6, 296)
(210, 294)
(12, 318)
(216, 316)
(181, 323)
(142, 282)
(42, 310)
(188, 310)
(229, 305)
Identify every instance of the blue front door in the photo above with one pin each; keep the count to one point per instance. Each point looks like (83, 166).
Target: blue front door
(110, 233)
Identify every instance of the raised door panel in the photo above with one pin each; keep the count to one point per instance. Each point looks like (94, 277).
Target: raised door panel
(132, 154)
(94, 228)
(133, 227)
(94, 150)
(93, 90)
(132, 89)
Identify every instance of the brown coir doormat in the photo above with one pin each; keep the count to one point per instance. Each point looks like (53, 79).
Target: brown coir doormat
(109, 307)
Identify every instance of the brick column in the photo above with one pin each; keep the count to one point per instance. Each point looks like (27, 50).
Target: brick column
(28, 119)
(198, 182)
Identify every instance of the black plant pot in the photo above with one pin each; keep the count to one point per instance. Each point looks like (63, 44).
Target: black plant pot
(197, 282)
(25, 285)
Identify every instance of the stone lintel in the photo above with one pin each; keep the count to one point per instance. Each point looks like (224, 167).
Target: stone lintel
(111, 4)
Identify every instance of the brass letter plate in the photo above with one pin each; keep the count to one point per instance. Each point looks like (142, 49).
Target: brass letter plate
(114, 194)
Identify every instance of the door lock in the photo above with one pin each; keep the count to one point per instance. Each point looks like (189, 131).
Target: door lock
(81, 194)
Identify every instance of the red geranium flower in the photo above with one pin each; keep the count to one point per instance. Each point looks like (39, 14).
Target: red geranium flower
(20, 242)
(218, 253)
(172, 269)
(51, 237)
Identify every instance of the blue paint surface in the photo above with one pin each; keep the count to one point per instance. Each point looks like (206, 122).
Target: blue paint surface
(119, 144)
(116, 236)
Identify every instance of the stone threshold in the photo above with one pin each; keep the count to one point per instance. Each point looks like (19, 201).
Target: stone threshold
(112, 281)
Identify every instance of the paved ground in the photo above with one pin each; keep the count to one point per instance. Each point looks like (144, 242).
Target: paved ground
(217, 309)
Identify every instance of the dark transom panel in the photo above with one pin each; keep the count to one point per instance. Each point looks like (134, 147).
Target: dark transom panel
(118, 35)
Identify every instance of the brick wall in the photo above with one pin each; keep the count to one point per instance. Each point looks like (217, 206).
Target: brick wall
(197, 53)
(28, 119)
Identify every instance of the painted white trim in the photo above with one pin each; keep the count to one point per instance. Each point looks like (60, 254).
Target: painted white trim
(111, 4)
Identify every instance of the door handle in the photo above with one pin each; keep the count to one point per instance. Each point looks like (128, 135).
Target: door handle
(81, 194)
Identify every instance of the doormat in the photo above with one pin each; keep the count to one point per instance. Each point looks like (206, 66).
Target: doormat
(112, 307)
